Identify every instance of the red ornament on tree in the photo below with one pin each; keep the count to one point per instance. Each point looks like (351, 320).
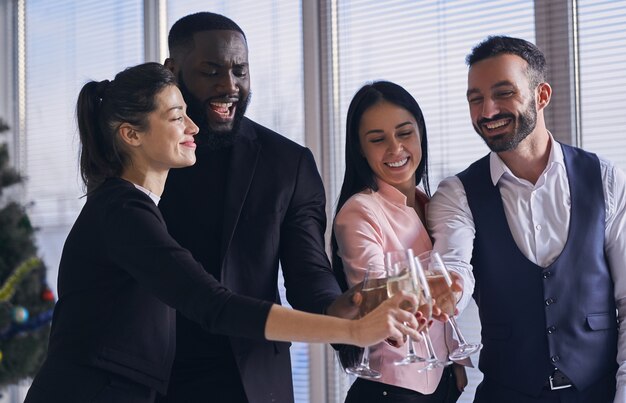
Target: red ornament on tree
(47, 295)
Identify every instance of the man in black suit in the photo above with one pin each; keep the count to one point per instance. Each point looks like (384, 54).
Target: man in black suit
(253, 199)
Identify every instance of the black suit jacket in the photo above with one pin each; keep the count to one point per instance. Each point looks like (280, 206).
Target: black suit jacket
(274, 211)
(120, 274)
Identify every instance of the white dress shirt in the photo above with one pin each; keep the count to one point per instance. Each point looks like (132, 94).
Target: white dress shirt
(538, 216)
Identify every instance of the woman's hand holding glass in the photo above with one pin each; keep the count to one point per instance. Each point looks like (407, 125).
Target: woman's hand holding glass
(380, 318)
(388, 321)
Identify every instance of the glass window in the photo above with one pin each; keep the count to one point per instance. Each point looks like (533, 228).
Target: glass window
(67, 44)
(602, 51)
(423, 48)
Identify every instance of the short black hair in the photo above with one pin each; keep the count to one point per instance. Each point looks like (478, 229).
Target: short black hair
(181, 33)
(496, 45)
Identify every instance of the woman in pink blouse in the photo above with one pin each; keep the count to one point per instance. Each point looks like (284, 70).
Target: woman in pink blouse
(381, 209)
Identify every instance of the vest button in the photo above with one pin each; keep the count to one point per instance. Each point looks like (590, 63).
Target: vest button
(551, 329)
(547, 274)
(555, 358)
(550, 301)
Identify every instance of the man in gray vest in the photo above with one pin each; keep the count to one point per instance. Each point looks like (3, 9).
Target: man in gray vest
(542, 226)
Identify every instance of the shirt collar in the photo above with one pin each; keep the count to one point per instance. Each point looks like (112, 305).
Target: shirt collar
(156, 199)
(499, 168)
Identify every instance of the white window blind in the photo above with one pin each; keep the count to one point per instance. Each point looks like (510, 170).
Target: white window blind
(67, 44)
(273, 30)
(602, 50)
(420, 45)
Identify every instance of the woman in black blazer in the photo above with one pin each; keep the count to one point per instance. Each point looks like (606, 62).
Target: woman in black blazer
(121, 275)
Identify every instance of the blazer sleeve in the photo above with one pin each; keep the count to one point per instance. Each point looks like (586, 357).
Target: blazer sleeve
(310, 283)
(138, 242)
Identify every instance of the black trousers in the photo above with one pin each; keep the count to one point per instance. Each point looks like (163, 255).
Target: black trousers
(365, 391)
(602, 391)
(63, 382)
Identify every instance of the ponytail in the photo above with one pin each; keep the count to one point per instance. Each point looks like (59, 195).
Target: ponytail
(95, 163)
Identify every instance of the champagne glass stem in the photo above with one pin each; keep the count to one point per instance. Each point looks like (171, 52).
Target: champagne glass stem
(410, 357)
(457, 331)
(363, 370)
(433, 361)
(365, 358)
(430, 349)
(430, 353)
(411, 347)
(464, 349)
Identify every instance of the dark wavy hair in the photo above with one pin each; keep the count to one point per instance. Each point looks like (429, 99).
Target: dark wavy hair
(358, 175)
(101, 109)
(496, 45)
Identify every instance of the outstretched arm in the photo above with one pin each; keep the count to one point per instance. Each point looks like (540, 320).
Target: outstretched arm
(452, 227)
(387, 321)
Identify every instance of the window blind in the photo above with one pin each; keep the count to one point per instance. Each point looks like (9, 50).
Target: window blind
(67, 44)
(602, 53)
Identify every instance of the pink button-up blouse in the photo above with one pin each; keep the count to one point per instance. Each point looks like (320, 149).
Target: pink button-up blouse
(368, 225)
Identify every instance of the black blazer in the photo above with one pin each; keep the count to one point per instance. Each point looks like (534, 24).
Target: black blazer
(119, 275)
(274, 211)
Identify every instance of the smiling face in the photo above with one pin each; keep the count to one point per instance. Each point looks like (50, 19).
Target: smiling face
(214, 79)
(502, 104)
(390, 142)
(168, 141)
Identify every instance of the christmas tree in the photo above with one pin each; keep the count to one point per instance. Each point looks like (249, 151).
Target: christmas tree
(26, 301)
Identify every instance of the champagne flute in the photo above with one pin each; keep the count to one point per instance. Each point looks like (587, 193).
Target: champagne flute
(439, 278)
(373, 292)
(401, 276)
(432, 361)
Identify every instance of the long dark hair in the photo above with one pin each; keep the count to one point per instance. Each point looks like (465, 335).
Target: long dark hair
(358, 175)
(101, 109)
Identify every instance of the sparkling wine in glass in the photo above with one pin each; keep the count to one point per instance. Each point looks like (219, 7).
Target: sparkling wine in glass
(401, 276)
(440, 283)
(426, 309)
(373, 292)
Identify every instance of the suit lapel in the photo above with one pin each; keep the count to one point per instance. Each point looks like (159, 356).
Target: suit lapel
(243, 163)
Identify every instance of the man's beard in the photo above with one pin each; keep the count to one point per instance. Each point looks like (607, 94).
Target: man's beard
(524, 125)
(197, 111)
